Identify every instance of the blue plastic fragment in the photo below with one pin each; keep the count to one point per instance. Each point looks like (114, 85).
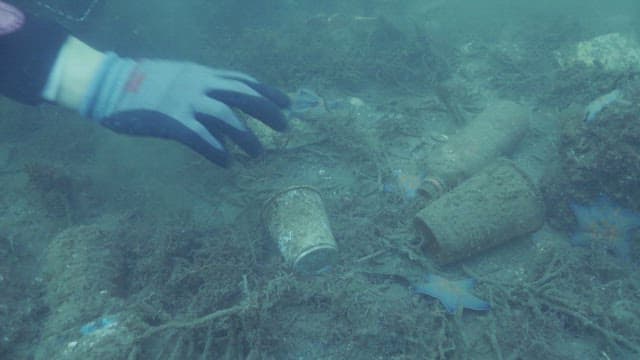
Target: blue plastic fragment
(98, 324)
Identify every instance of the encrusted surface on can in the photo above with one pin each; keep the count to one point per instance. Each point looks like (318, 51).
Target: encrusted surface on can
(498, 204)
(296, 219)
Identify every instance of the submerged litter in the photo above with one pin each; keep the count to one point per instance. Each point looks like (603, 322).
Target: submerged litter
(599, 104)
(102, 323)
(305, 101)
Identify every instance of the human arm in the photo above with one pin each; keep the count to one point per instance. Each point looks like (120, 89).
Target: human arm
(181, 101)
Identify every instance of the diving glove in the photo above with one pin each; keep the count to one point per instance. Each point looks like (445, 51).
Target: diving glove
(181, 101)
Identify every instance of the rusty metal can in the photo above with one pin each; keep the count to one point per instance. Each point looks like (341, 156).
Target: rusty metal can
(496, 205)
(296, 219)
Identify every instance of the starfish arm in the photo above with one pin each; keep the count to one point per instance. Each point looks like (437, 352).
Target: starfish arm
(453, 295)
(433, 278)
(447, 298)
(451, 307)
(426, 289)
(465, 284)
(472, 302)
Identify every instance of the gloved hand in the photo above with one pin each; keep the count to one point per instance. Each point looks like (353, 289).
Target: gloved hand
(182, 101)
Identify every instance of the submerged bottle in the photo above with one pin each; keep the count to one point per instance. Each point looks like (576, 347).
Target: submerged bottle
(493, 133)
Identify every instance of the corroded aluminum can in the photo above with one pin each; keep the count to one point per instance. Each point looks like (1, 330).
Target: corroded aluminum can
(296, 219)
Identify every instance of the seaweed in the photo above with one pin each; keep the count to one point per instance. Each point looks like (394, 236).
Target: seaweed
(349, 55)
(553, 301)
(62, 195)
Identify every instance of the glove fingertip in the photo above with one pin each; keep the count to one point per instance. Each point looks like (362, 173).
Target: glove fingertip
(223, 161)
(278, 122)
(220, 157)
(249, 142)
(278, 97)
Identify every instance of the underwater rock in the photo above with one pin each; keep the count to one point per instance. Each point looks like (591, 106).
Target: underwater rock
(596, 158)
(614, 52)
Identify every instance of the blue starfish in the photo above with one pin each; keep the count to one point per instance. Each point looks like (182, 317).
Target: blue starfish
(453, 295)
(604, 224)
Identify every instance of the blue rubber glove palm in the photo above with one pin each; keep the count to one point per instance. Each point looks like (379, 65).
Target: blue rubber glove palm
(185, 102)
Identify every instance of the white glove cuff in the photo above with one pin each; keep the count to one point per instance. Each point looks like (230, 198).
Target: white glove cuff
(72, 73)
